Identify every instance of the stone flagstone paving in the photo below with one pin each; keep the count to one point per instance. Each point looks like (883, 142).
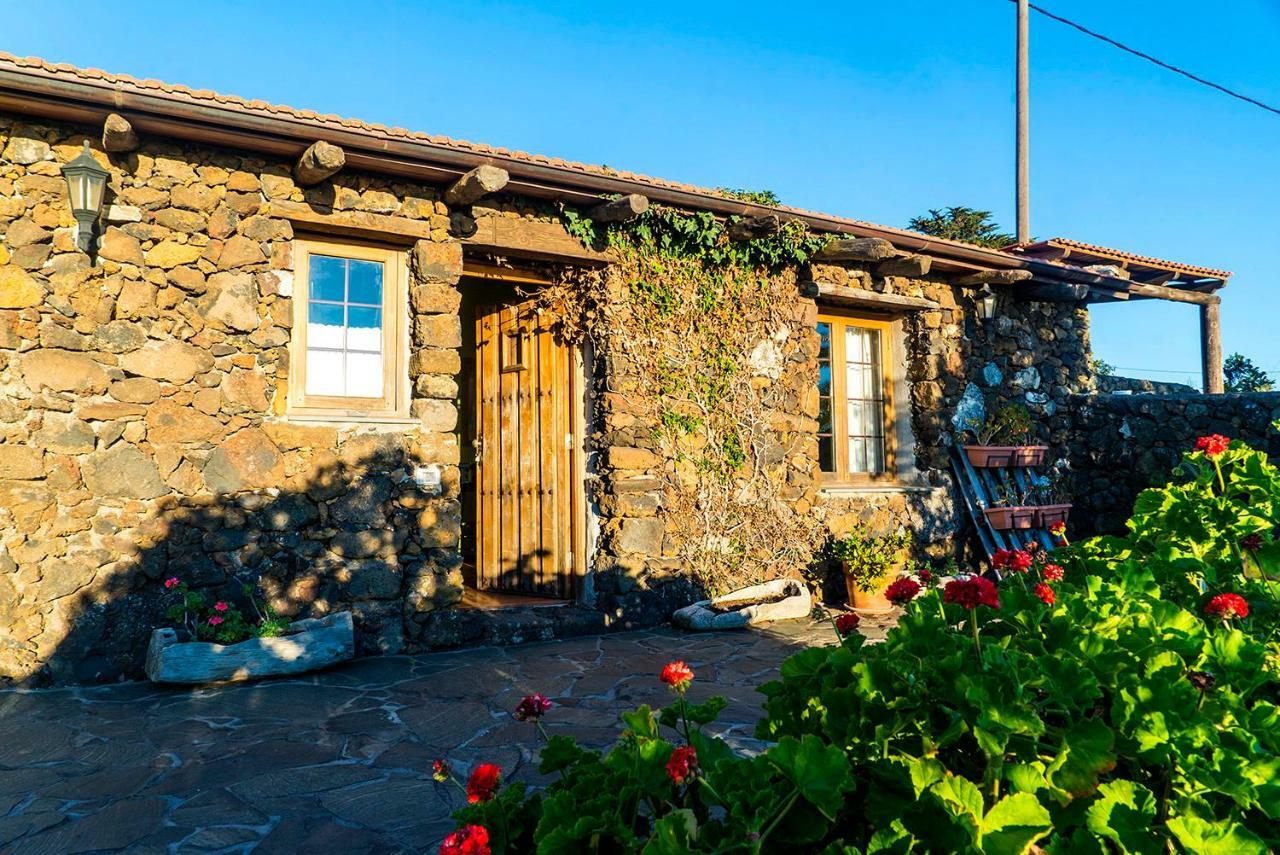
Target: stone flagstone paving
(338, 761)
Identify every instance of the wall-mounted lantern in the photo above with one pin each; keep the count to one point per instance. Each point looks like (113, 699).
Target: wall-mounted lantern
(85, 182)
(985, 303)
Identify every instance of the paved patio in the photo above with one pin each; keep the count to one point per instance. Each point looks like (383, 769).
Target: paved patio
(338, 761)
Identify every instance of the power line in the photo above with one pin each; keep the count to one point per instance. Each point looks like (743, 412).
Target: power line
(1149, 58)
(1155, 370)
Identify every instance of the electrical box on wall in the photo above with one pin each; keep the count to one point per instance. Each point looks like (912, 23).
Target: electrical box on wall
(427, 479)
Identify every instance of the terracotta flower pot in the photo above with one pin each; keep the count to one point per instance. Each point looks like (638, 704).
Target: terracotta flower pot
(1003, 456)
(872, 601)
(1049, 515)
(1012, 517)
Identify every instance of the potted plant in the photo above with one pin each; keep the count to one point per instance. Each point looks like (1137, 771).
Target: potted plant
(868, 561)
(1051, 495)
(212, 642)
(1001, 440)
(1011, 510)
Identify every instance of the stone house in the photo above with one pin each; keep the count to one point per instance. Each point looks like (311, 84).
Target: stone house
(297, 353)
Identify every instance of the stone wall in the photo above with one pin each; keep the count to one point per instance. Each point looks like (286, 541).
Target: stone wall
(1122, 444)
(142, 389)
(1109, 383)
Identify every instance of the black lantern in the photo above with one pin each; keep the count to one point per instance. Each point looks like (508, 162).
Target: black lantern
(985, 303)
(85, 182)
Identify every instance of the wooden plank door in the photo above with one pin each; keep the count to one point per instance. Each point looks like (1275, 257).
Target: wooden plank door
(524, 525)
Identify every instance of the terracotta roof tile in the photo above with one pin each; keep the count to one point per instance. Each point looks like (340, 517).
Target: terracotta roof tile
(1108, 252)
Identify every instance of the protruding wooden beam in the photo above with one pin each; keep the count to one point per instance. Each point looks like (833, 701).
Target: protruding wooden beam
(619, 210)
(856, 249)
(907, 265)
(1211, 347)
(1056, 292)
(474, 185)
(842, 295)
(992, 277)
(752, 228)
(1176, 295)
(118, 135)
(321, 160)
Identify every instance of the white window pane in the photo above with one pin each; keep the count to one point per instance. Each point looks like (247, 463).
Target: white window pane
(855, 347)
(875, 456)
(365, 282)
(324, 372)
(857, 454)
(364, 375)
(324, 325)
(859, 418)
(327, 278)
(858, 382)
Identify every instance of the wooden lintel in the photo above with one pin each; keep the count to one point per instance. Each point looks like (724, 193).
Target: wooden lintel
(320, 160)
(118, 135)
(907, 265)
(351, 223)
(856, 249)
(843, 295)
(753, 228)
(473, 185)
(992, 277)
(538, 239)
(620, 210)
(1175, 295)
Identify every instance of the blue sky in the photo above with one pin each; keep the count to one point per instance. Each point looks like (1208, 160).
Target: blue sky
(871, 110)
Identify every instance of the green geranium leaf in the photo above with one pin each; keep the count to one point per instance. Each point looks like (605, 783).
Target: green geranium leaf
(1124, 814)
(820, 772)
(673, 834)
(560, 753)
(1014, 824)
(1087, 753)
(641, 722)
(1215, 838)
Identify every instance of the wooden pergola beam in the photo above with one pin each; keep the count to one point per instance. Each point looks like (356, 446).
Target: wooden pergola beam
(856, 249)
(992, 277)
(475, 184)
(319, 161)
(1211, 347)
(620, 210)
(1175, 295)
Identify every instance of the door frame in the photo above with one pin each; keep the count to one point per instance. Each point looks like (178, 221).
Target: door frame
(578, 402)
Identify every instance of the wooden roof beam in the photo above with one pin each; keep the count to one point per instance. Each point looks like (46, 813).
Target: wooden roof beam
(753, 228)
(620, 210)
(474, 184)
(857, 249)
(992, 277)
(320, 160)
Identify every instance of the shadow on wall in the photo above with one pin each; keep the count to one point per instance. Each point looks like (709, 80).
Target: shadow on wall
(357, 535)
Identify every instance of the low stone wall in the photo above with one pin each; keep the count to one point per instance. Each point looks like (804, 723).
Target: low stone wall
(1121, 444)
(1108, 383)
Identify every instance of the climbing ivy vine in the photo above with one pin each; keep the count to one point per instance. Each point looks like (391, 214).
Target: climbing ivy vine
(699, 335)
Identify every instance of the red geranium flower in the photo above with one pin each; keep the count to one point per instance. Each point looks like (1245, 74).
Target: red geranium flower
(677, 675)
(1000, 559)
(847, 623)
(971, 592)
(1213, 445)
(1045, 593)
(441, 770)
(1053, 572)
(902, 591)
(1020, 561)
(532, 706)
(926, 575)
(215, 620)
(1227, 606)
(683, 764)
(220, 606)
(483, 783)
(172, 582)
(1058, 529)
(468, 840)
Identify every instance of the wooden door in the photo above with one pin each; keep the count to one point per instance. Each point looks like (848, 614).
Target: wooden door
(524, 524)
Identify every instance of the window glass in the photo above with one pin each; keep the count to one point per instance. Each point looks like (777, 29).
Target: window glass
(345, 347)
(826, 430)
(864, 394)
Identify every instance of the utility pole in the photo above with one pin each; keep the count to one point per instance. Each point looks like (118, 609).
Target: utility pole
(1023, 164)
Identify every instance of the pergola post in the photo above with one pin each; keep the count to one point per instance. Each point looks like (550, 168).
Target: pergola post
(1211, 346)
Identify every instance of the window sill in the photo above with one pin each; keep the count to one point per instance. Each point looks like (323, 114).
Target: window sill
(339, 419)
(835, 491)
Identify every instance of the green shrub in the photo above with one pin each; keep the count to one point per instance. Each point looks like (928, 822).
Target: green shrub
(1124, 699)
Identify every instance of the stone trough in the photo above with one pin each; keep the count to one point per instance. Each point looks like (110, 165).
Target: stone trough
(310, 644)
(781, 599)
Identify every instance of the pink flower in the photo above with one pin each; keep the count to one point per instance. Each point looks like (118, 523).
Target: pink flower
(171, 582)
(1046, 594)
(1053, 572)
(215, 620)
(532, 707)
(220, 606)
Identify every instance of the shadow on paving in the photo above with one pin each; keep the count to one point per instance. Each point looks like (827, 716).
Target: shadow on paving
(338, 761)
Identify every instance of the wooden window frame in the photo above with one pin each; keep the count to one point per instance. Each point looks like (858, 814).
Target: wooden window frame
(842, 477)
(393, 404)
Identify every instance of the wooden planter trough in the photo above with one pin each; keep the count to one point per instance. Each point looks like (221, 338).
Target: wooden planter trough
(1005, 456)
(781, 599)
(310, 644)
